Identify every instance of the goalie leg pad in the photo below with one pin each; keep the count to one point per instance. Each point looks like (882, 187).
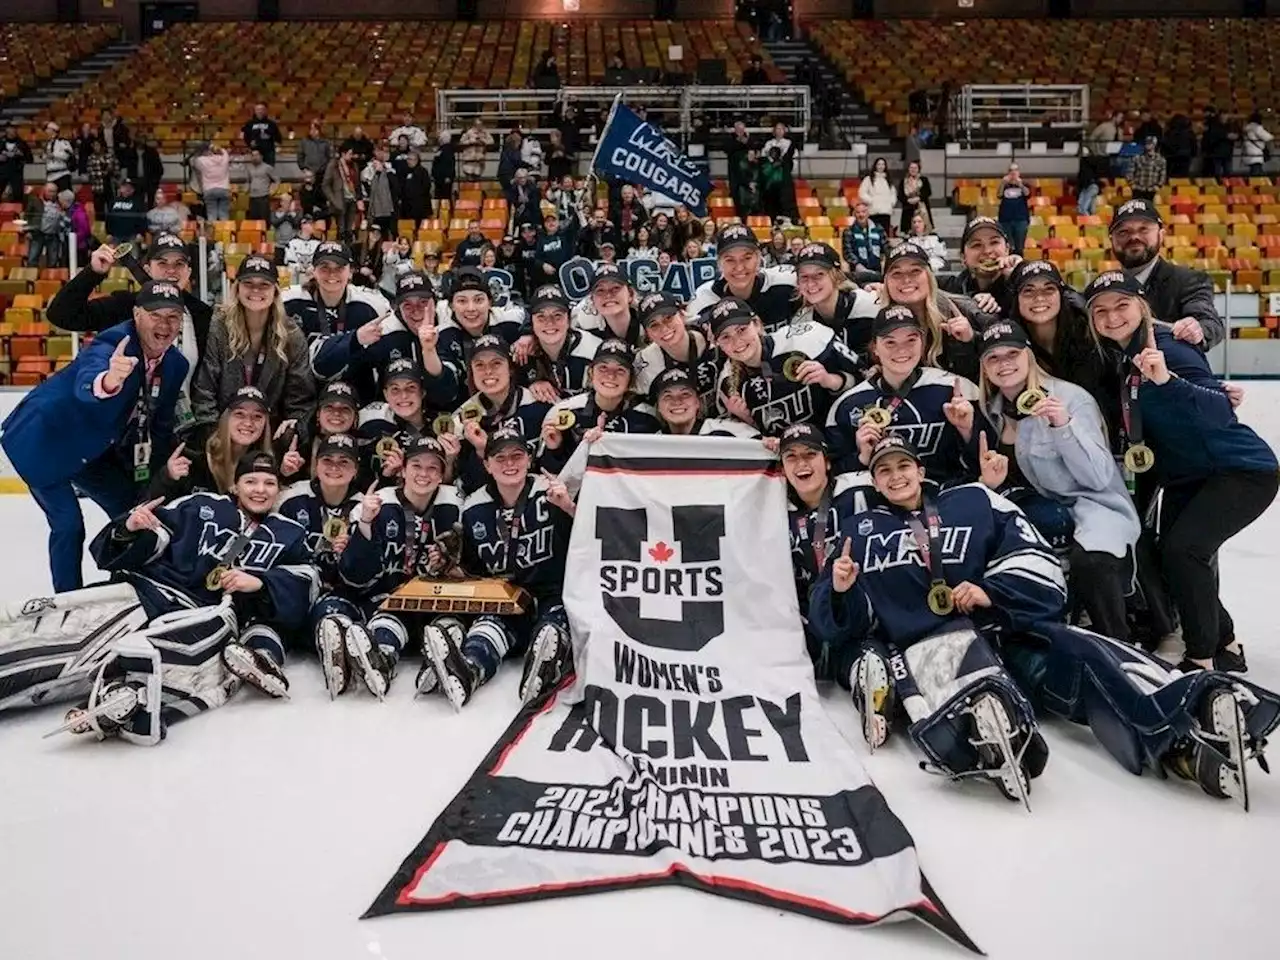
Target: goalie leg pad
(549, 658)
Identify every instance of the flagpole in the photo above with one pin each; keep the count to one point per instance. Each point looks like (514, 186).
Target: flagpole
(592, 179)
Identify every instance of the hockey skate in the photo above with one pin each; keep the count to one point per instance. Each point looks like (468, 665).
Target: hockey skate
(458, 677)
(873, 698)
(110, 707)
(1216, 756)
(375, 666)
(332, 650)
(256, 669)
(548, 661)
(995, 743)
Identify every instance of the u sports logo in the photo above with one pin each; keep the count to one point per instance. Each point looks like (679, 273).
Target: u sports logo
(686, 573)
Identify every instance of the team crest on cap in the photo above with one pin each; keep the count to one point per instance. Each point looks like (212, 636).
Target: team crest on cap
(165, 289)
(409, 280)
(997, 330)
(723, 309)
(330, 246)
(814, 250)
(796, 430)
(549, 292)
(1132, 206)
(649, 301)
(341, 440)
(488, 341)
(1037, 266)
(1109, 279)
(252, 393)
(399, 366)
(340, 387)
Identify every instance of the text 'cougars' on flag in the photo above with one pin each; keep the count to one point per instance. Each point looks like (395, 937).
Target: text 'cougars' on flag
(637, 152)
(690, 747)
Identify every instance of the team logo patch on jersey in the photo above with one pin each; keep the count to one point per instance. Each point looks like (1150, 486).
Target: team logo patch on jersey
(206, 513)
(478, 531)
(393, 529)
(865, 527)
(301, 515)
(800, 328)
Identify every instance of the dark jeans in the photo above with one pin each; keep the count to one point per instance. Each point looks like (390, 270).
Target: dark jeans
(1099, 583)
(109, 483)
(885, 220)
(259, 208)
(1017, 231)
(1196, 520)
(13, 183)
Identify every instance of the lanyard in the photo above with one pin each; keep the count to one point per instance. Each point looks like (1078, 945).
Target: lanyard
(418, 530)
(149, 392)
(254, 370)
(818, 543)
(511, 531)
(340, 318)
(1130, 412)
(929, 542)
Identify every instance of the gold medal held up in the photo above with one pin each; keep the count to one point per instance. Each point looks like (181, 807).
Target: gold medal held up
(442, 424)
(791, 368)
(564, 420)
(877, 416)
(1139, 458)
(334, 528)
(472, 411)
(123, 250)
(214, 580)
(385, 446)
(1028, 400)
(941, 599)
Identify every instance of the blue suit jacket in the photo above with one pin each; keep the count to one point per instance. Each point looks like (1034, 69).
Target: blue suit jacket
(60, 426)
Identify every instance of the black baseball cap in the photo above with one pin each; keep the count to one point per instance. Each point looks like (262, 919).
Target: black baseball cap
(1113, 281)
(672, 378)
(468, 278)
(258, 461)
(424, 444)
(818, 254)
(891, 318)
(505, 436)
(159, 295)
(413, 285)
(653, 306)
(802, 435)
(249, 397)
(906, 251)
(490, 343)
(892, 444)
(727, 313)
(1136, 210)
(339, 444)
(1001, 334)
(614, 350)
(548, 295)
(981, 223)
(609, 273)
(401, 368)
(256, 265)
(736, 235)
(1029, 270)
(167, 243)
(339, 391)
(332, 251)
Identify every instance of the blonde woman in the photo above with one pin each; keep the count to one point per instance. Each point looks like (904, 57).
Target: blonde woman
(830, 298)
(253, 343)
(950, 323)
(245, 427)
(1052, 458)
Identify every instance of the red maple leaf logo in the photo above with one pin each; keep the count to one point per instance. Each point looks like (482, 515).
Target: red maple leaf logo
(661, 552)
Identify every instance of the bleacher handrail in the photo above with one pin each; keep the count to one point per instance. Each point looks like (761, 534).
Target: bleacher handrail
(1015, 110)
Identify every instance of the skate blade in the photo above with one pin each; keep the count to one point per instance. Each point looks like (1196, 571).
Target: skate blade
(328, 643)
(531, 686)
(1228, 722)
(423, 687)
(358, 643)
(435, 646)
(241, 664)
(990, 718)
(875, 728)
(84, 718)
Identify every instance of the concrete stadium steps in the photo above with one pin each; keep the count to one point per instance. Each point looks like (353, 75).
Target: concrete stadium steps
(29, 104)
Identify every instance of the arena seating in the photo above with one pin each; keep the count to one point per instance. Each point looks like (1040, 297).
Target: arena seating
(198, 81)
(32, 52)
(1175, 65)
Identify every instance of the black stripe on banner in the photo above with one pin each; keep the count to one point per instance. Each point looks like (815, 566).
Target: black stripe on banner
(704, 465)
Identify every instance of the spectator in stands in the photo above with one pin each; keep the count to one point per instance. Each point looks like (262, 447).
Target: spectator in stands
(311, 196)
(370, 258)
(101, 172)
(615, 74)
(360, 145)
(1215, 145)
(47, 236)
(509, 159)
(314, 150)
(545, 75)
(444, 168)
(415, 189)
(554, 248)
(708, 239)
(416, 135)
(213, 167)
(81, 228)
(776, 253)
(643, 248)
(1108, 131)
(252, 342)
(630, 215)
(471, 249)
(559, 163)
(1089, 180)
(59, 158)
(168, 214)
(777, 188)
(1179, 145)
(475, 141)
(567, 199)
(754, 75)
(261, 133)
(261, 178)
(741, 167)
(125, 151)
(863, 241)
(523, 200)
(920, 232)
(341, 188)
(299, 251)
(126, 217)
(663, 234)
(286, 221)
(1148, 128)
(914, 192)
(686, 227)
(599, 232)
(1177, 294)
(113, 131)
(878, 194)
(152, 172)
(14, 157)
(84, 140)
(1015, 211)
(380, 188)
(531, 154)
(1257, 144)
(988, 262)
(1149, 172)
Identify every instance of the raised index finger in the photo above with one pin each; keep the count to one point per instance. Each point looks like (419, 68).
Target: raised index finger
(373, 488)
(956, 392)
(982, 443)
(847, 552)
(1151, 336)
(122, 346)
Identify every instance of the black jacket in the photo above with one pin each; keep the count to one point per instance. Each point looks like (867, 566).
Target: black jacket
(1175, 292)
(71, 308)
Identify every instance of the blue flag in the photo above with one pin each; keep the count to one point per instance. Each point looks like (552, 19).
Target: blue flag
(637, 152)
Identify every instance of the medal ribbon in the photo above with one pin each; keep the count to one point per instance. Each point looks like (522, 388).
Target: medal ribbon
(1130, 412)
(929, 543)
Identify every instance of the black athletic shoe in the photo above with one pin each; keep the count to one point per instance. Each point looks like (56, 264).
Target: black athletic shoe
(1188, 666)
(1230, 662)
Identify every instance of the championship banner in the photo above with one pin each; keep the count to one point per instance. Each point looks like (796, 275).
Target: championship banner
(691, 747)
(637, 152)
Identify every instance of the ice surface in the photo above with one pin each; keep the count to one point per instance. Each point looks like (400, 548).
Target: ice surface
(264, 829)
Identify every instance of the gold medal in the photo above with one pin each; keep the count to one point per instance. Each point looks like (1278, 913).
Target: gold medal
(941, 599)
(442, 424)
(472, 410)
(334, 528)
(564, 420)
(989, 266)
(122, 251)
(1139, 458)
(214, 580)
(385, 446)
(1029, 399)
(791, 369)
(877, 416)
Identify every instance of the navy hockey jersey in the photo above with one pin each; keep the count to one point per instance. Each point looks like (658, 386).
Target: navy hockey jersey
(772, 298)
(851, 321)
(343, 355)
(530, 553)
(586, 318)
(985, 540)
(776, 402)
(568, 372)
(520, 410)
(917, 417)
(632, 417)
(850, 495)
(454, 342)
(703, 363)
(401, 542)
(196, 535)
(302, 503)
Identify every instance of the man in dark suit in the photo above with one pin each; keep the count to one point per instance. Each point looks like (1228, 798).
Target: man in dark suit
(103, 424)
(1180, 295)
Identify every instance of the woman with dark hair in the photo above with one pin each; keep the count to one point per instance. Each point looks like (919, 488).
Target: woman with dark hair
(878, 194)
(1056, 324)
(914, 192)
